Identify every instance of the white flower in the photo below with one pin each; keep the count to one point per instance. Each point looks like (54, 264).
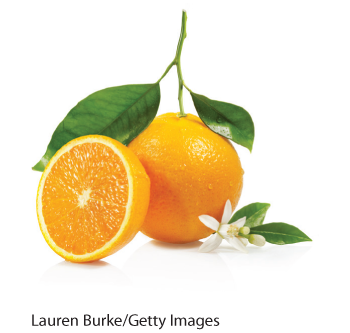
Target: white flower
(229, 232)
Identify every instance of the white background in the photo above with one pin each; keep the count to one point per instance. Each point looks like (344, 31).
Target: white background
(286, 62)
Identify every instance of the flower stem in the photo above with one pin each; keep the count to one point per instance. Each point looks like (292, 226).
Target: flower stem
(177, 62)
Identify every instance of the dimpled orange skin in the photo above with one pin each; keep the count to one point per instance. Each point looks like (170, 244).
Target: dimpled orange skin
(193, 171)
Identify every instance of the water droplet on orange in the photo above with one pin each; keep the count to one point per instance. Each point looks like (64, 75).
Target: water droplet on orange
(210, 186)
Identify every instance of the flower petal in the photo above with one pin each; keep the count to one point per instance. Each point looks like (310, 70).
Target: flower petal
(240, 223)
(211, 243)
(243, 240)
(237, 244)
(209, 221)
(227, 212)
(223, 229)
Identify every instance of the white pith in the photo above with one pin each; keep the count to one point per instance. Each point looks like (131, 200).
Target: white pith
(84, 198)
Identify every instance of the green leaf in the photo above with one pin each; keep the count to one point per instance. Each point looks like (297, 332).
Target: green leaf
(280, 233)
(121, 113)
(228, 120)
(255, 214)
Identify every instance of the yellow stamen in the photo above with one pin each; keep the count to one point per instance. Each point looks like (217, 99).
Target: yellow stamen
(233, 231)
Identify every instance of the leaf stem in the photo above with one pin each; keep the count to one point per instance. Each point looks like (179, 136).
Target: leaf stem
(186, 87)
(166, 71)
(177, 62)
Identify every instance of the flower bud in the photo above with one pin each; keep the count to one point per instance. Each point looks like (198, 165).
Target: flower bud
(257, 240)
(244, 230)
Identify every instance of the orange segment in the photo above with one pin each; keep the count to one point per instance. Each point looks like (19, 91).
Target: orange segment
(92, 198)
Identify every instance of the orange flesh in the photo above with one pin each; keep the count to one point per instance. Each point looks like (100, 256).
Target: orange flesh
(84, 198)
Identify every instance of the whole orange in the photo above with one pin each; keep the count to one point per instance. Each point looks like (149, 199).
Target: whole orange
(193, 171)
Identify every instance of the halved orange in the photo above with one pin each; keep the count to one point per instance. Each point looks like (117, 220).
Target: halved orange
(92, 198)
